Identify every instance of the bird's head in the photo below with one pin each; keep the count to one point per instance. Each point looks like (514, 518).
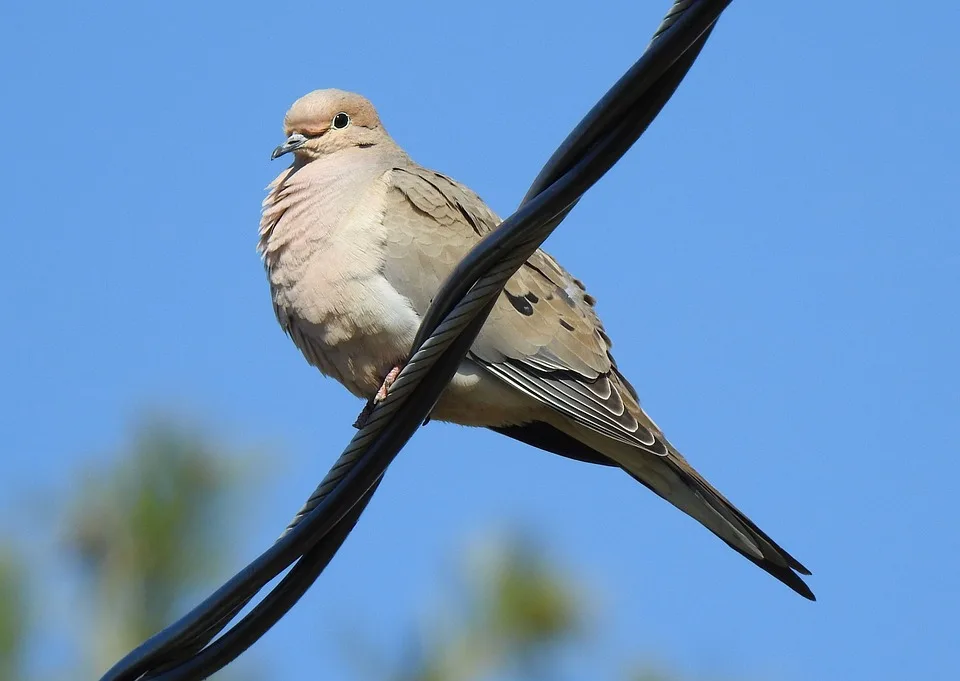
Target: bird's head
(326, 121)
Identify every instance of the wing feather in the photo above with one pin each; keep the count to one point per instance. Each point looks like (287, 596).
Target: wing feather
(543, 336)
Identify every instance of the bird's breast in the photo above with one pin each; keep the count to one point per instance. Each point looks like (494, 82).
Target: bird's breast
(324, 260)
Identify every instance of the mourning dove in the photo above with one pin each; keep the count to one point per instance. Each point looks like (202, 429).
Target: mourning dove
(356, 238)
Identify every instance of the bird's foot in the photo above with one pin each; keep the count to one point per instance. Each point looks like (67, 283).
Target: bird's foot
(386, 385)
(378, 398)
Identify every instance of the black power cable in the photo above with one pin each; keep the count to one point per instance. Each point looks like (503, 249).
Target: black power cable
(186, 650)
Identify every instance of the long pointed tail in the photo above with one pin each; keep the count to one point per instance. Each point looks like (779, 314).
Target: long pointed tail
(671, 477)
(736, 529)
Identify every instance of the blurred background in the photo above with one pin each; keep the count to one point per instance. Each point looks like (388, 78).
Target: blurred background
(777, 260)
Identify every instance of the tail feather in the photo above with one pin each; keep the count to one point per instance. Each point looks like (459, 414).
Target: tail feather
(672, 478)
(772, 558)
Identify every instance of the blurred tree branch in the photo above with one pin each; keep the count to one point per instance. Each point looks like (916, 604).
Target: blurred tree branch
(148, 530)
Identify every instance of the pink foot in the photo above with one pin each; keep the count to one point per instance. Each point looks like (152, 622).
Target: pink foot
(387, 384)
(378, 398)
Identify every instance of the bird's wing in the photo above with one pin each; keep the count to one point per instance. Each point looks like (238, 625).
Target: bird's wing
(543, 336)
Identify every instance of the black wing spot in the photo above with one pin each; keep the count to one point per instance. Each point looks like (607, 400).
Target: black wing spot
(565, 324)
(532, 297)
(520, 304)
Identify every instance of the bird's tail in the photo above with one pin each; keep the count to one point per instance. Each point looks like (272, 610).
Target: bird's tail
(671, 477)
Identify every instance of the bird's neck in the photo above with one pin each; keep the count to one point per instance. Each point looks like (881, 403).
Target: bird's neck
(308, 201)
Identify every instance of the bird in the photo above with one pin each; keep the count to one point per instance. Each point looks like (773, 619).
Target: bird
(356, 238)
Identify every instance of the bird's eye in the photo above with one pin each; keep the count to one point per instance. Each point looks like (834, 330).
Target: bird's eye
(340, 121)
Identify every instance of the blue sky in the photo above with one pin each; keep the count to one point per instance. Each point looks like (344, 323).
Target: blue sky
(779, 276)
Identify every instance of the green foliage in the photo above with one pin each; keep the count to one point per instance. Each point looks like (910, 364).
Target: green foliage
(146, 531)
(526, 601)
(519, 613)
(13, 613)
(516, 610)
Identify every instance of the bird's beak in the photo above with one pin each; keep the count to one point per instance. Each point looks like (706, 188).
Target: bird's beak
(295, 141)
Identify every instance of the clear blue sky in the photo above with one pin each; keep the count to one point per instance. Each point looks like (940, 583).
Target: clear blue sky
(794, 329)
